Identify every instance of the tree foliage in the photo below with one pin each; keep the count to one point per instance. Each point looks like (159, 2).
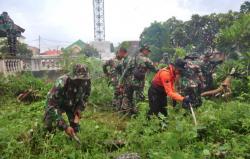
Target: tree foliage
(22, 49)
(236, 37)
(245, 7)
(199, 34)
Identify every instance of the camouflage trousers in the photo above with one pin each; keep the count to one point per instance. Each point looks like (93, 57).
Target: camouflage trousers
(133, 93)
(139, 94)
(51, 120)
(117, 98)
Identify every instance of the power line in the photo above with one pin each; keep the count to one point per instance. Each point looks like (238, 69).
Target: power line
(56, 41)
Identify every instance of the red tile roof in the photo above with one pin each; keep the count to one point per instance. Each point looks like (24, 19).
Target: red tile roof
(52, 52)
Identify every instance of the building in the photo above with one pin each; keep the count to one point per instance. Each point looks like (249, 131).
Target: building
(51, 53)
(76, 47)
(34, 50)
(104, 49)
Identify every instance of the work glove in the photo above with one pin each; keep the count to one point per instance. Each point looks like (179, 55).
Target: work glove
(186, 102)
(70, 131)
(75, 126)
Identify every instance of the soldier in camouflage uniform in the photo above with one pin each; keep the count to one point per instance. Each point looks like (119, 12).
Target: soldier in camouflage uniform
(69, 95)
(133, 78)
(192, 80)
(207, 67)
(113, 70)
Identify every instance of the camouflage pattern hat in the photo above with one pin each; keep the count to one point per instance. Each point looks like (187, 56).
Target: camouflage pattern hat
(145, 47)
(80, 71)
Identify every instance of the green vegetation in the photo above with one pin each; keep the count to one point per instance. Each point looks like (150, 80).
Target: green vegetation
(22, 49)
(223, 132)
(223, 129)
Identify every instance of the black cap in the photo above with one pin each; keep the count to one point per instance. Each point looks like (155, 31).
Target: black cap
(179, 64)
(192, 56)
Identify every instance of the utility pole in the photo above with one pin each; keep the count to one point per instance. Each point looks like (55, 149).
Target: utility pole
(39, 43)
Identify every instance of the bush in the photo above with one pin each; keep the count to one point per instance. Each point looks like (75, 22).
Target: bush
(223, 132)
(12, 86)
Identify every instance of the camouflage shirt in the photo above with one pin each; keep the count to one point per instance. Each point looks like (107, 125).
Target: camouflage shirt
(67, 96)
(135, 68)
(113, 68)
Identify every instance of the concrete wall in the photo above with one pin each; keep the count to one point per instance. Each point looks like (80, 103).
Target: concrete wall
(38, 63)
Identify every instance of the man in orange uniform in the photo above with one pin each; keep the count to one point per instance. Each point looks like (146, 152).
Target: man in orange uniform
(163, 86)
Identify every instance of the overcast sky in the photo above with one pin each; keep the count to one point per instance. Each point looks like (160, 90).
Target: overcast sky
(60, 22)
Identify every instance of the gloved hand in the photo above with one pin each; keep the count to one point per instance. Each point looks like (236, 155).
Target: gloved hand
(70, 131)
(186, 102)
(75, 126)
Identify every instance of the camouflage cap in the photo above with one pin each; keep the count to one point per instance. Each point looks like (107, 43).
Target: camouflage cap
(80, 71)
(145, 47)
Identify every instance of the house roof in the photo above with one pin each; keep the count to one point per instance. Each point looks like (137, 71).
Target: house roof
(51, 52)
(79, 43)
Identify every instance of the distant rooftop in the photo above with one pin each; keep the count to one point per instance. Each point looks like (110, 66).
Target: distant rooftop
(78, 43)
(51, 53)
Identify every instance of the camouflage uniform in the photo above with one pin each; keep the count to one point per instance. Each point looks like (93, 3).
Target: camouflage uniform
(192, 82)
(207, 70)
(69, 95)
(208, 66)
(133, 79)
(113, 69)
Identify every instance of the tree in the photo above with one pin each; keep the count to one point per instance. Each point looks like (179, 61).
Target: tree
(179, 37)
(154, 35)
(245, 7)
(4, 49)
(235, 39)
(22, 49)
(174, 32)
(201, 31)
(163, 36)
